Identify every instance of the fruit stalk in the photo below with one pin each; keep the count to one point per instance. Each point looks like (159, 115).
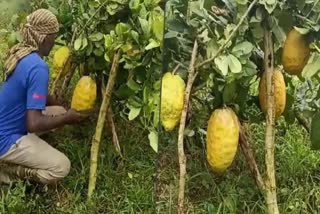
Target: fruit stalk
(248, 154)
(67, 80)
(65, 66)
(182, 157)
(270, 181)
(100, 123)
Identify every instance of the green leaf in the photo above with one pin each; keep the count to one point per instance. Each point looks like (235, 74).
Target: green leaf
(156, 115)
(234, 64)
(134, 112)
(222, 64)
(242, 2)
(84, 43)
(95, 37)
(152, 44)
(78, 44)
(122, 29)
(312, 67)
(242, 48)
(157, 27)
(135, 36)
(133, 85)
(134, 5)
(108, 41)
(145, 26)
(314, 132)
(153, 139)
(212, 48)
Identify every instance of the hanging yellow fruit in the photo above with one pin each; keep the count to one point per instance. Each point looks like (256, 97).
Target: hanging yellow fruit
(222, 139)
(172, 100)
(296, 52)
(279, 92)
(84, 95)
(61, 58)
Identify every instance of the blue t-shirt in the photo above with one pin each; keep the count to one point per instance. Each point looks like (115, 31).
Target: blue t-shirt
(25, 89)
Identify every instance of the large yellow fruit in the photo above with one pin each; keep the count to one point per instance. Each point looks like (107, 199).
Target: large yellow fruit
(172, 100)
(85, 94)
(279, 93)
(296, 52)
(60, 56)
(222, 139)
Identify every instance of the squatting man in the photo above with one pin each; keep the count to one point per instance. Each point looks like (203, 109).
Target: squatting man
(26, 109)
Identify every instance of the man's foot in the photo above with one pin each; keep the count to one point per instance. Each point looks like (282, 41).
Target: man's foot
(4, 178)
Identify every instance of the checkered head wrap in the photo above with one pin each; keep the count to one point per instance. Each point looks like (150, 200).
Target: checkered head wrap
(39, 24)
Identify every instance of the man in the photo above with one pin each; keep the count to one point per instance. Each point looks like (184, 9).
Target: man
(23, 111)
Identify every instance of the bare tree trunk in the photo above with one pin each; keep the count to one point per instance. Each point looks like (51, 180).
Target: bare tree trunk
(100, 124)
(182, 157)
(270, 182)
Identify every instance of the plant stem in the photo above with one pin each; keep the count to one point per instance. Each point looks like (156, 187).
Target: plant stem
(248, 154)
(67, 81)
(270, 182)
(101, 120)
(182, 157)
(66, 65)
(91, 18)
(175, 69)
(222, 47)
(110, 124)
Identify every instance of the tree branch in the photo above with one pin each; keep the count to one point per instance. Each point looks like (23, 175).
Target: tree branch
(248, 154)
(222, 47)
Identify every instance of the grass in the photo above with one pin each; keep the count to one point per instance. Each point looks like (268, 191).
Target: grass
(123, 185)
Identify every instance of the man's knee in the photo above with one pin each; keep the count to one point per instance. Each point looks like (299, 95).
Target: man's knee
(60, 170)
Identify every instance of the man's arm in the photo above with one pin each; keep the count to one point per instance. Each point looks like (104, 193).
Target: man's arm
(37, 122)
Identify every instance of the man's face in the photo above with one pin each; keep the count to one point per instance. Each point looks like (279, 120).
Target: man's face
(48, 43)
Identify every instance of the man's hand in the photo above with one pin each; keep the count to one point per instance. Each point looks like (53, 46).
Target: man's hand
(37, 122)
(73, 116)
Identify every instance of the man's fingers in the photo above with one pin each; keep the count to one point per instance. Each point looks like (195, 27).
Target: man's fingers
(86, 112)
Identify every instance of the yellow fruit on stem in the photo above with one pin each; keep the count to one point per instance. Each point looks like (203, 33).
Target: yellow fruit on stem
(85, 94)
(172, 100)
(279, 93)
(60, 57)
(222, 139)
(296, 52)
